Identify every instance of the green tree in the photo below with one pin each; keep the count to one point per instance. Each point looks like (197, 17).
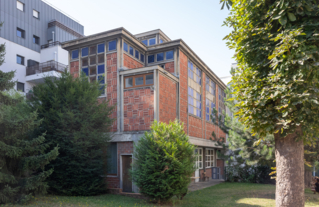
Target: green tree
(276, 82)
(22, 155)
(77, 120)
(163, 162)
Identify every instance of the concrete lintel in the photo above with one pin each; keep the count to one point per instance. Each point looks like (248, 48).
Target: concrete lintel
(40, 77)
(126, 137)
(203, 142)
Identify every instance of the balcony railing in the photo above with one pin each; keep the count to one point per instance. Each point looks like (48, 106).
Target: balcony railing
(50, 44)
(46, 67)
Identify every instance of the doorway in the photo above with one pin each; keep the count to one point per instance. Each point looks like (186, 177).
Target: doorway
(126, 166)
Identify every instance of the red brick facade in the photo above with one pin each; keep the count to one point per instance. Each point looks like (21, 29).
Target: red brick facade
(131, 63)
(74, 68)
(195, 127)
(138, 109)
(112, 84)
(170, 67)
(167, 99)
(183, 81)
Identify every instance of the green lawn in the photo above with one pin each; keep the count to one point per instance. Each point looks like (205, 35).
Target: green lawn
(224, 194)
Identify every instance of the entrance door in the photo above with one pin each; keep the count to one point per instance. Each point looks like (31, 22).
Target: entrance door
(126, 166)
(215, 173)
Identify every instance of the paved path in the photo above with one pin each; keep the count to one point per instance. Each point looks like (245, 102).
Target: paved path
(201, 185)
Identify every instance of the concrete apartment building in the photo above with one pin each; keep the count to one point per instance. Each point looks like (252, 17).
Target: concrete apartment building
(32, 31)
(151, 77)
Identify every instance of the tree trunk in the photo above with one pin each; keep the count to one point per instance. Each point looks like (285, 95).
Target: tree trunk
(290, 170)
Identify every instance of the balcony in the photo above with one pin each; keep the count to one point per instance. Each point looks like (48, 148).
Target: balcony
(52, 44)
(37, 73)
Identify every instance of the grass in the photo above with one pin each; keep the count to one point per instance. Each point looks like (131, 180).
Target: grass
(224, 194)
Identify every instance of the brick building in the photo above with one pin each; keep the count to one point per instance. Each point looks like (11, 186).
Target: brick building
(150, 77)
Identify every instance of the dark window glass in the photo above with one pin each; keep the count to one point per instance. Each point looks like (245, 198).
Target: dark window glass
(100, 58)
(36, 40)
(149, 79)
(112, 45)
(169, 55)
(144, 42)
(159, 56)
(125, 47)
(161, 41)
(20, 86)
(100, 69)
(85, 52)
(152, 41)
(93, 60)
(100, 48)
(93, 50)
(86, 71)
(131, 51)
(85, 62)
(20, 60)
(92, 79)
(139, 81)
(101, 79)
(75, 54)
(142, 57)
(20, 33)
(112, 158)
(93, 70)
(137, 54)
(150, 58)
(128, 82)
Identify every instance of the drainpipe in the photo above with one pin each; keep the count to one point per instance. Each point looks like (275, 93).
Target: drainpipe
(52, 36)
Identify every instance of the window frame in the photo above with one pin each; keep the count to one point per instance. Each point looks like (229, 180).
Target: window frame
(22, 85)
(212, 161)
(23, 6)
(22, 58)
(197, 161)
(192, 67)
(110, 157)
(22, 32)
(210, 102)
(136, 76)
(36, 38)
(37, 13)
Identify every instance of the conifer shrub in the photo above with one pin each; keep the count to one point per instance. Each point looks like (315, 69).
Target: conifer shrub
(163, 162)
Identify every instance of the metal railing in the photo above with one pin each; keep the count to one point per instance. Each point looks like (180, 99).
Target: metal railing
(50, 44)
(46, 67)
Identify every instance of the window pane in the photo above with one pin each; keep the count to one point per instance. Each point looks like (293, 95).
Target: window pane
(139, 81)
(169, 55)
(112, 158)
(131, 51)
(128, 82)
(161, 41)
(20, 6)
(92, 50)
(85, 52)
(101, 79)
(35, 14)
(92, 79)
(85, 61)
(102, 89)
(149, 79)
(144, 42)
(125, 47)
(20, 86)
(152, 41)
(137, 54)
(75, 54)
(19, 33)
(86, 71)
(100, 48)
(100, 69)
(100, 58)
(160, 56)
(150, 58)
(112, 45)
(20, 60)
(93, 60)
(142, 57)
(93, 70)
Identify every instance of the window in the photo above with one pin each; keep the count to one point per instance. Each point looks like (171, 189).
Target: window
(131, 51)
(139, 81)
(75, 54)
(145, 42)
(209, 158)
(112, 45)
(93, 60)
(137, 54)
(150, 58)
(85, 71)
(125, 47)
(151, 41)
(221, 102)
(36, 40)
(159, 56)
(20, 86)
(20, 60)
(112, 158)
(169, 55)
(142, 57)
(20, 33)
(100, 48)
(85, 62)
(194, 90)
(93, 50)
(20, 6)
(85, 52)
(36, 14)
(161, 41)
(210, 98)
(198, 158)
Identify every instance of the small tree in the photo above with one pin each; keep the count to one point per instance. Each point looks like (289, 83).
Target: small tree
(22, 155)
(79, 122)
(164, 162)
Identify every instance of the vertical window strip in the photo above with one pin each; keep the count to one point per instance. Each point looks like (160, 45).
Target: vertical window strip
(210, 98)
(194, 96)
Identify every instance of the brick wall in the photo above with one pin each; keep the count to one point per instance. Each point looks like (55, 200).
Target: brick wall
(220, 163)
(210, 128)
(74, 68)
(169, 67)
(195, 127)
(112, 85)
(167, 99)
(138, 109)
(183, 89)
(131, 63)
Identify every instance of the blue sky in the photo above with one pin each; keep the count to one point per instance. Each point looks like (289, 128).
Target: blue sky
(198, 23)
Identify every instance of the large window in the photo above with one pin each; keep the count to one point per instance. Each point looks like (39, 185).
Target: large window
(198, 158)
(194, 90)
(138, 81)
(112, 158)
(20, 6)
(210, 97)
(209, 158)
(20, 60)
(161, 56)
(20, 33)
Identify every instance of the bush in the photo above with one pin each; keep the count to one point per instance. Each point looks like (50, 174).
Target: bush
(248, 174)
(164, 162)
